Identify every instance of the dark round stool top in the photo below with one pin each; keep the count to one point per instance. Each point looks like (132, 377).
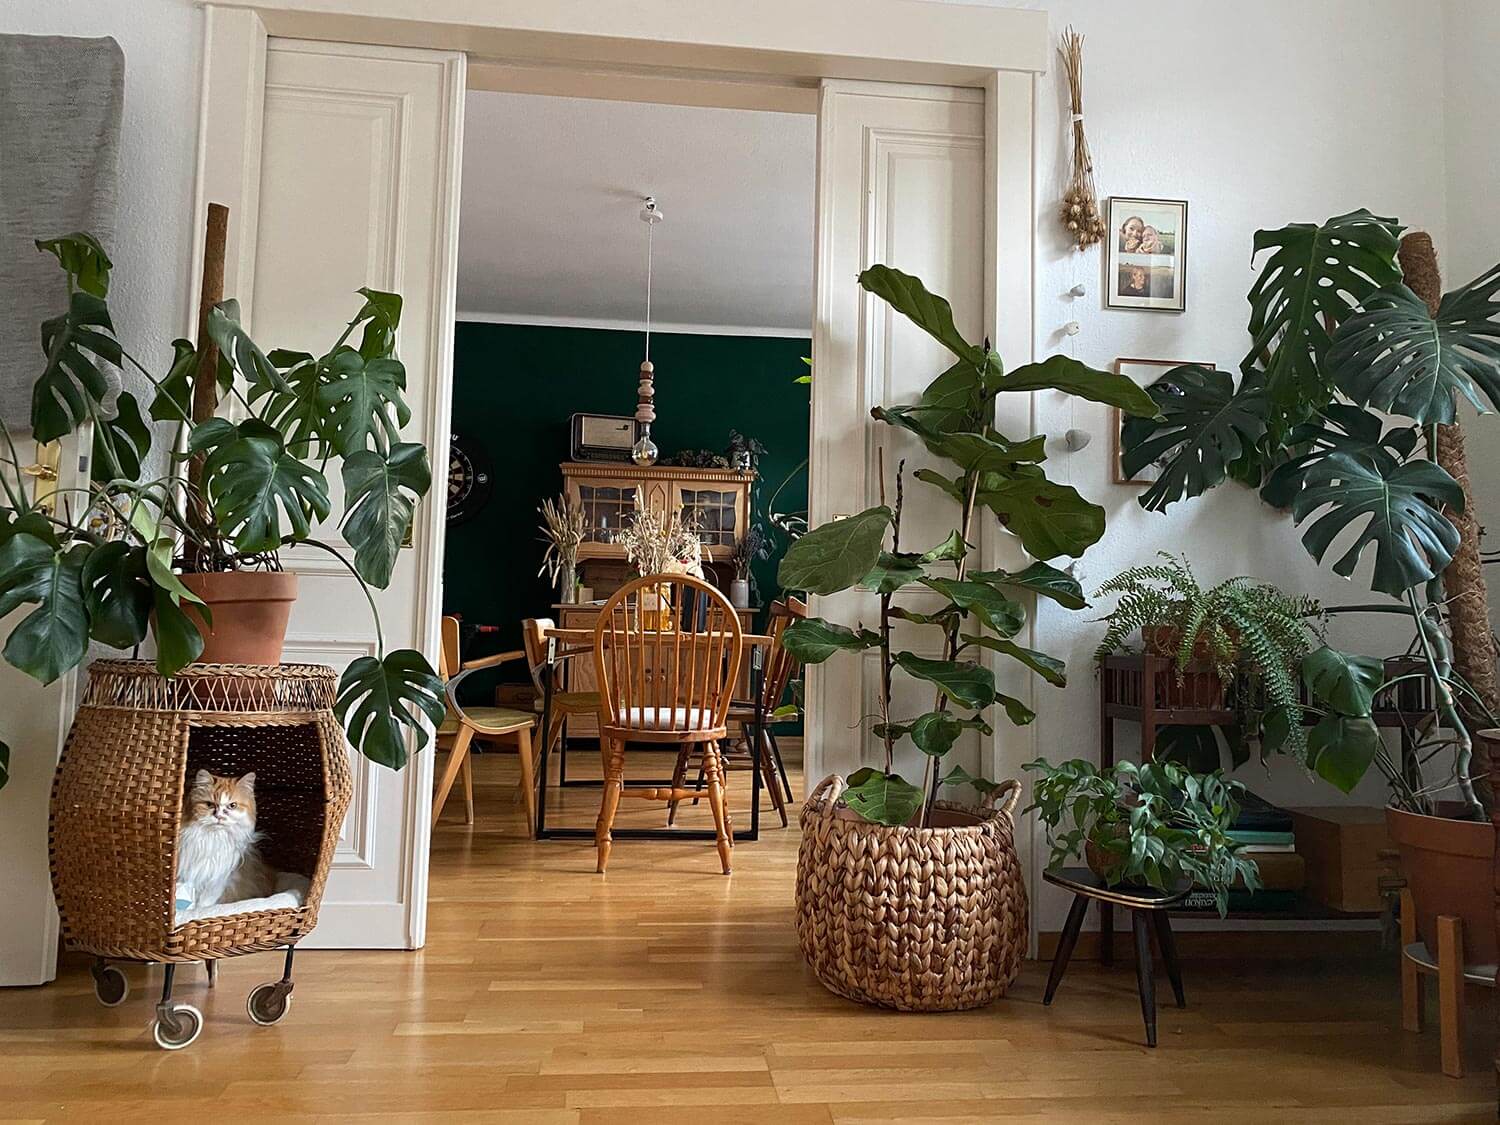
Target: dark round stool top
(1082, 881)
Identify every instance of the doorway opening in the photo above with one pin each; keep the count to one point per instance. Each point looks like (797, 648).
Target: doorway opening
(550, 337)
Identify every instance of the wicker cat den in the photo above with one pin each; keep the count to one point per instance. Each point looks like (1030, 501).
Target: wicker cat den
(117, 804)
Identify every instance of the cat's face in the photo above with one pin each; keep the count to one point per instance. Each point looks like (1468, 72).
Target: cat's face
(227, 802)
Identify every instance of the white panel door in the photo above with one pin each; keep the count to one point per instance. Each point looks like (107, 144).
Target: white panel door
(901, 181)
(358, 151)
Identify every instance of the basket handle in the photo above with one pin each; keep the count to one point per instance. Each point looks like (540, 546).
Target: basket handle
(834, 782)
(1005, 797)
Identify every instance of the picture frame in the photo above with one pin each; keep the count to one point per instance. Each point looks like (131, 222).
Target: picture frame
(1141, 372)
(1145, 258)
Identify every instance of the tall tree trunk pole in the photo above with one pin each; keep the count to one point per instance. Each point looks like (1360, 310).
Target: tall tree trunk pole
(1463, 580)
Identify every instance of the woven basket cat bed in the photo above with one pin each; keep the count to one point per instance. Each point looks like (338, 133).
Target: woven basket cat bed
(117, 801)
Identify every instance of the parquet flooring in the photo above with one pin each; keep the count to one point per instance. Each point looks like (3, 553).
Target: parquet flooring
(669, 993)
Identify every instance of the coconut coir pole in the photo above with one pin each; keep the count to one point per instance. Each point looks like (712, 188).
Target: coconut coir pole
(205, 377)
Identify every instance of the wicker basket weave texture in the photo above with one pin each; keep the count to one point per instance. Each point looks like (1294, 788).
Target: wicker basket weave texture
(916, 919)
(117, 800)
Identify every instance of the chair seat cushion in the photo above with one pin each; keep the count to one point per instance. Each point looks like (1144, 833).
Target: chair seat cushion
(665, 718)
(490, 720)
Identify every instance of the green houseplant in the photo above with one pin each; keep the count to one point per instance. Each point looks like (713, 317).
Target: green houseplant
(109, 564)
(1155, 824)
(980, 611)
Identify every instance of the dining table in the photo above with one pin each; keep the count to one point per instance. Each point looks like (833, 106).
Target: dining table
(565, 643)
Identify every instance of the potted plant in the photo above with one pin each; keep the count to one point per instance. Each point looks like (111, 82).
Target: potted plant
(1238, 627)
(182, 555)
(1343, 413)
(748, 548)
(1154, 825)
(868, 917)
(563, 529)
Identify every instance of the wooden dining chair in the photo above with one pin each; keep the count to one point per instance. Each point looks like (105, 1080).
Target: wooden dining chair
(463, 724)
(781, 667)
(667, 651)
(564, 703)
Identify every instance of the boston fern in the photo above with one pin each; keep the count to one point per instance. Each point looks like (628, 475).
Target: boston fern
(1334, 415)
(978, 611)
(105, 565)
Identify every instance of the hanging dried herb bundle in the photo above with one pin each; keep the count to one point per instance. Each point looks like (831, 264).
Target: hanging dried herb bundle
(1080, 204)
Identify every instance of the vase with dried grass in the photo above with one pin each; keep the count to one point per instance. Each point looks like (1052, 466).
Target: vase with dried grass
(658, 541)
(563, 530)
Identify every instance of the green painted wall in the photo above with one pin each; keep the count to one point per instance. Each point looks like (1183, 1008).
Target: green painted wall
(516, 386)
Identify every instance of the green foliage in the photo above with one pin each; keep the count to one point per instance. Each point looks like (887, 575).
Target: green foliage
(4, 764)
(53, 637)
(882, 798)
(261, 494)
(72, 386)
(813, 640)
(1157, 824)
(378, 697)
(837, 555)
(82, 259)
(380, 498)
(1345, 681)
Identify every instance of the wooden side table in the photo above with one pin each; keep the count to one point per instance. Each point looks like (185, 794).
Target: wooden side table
(1148, 908)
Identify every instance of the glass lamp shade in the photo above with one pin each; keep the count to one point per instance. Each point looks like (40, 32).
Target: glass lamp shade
(644, 452)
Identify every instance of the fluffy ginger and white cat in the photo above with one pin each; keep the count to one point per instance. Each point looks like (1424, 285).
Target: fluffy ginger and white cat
(218, 854)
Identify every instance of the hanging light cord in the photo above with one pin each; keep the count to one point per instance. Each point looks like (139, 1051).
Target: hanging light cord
(650, 232)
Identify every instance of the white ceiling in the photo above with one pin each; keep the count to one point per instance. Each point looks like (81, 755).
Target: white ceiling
(551, 193)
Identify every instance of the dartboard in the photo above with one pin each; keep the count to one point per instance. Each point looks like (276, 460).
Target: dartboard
(469, 479)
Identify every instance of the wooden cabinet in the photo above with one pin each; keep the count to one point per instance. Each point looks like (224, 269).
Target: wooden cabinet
(718, 501)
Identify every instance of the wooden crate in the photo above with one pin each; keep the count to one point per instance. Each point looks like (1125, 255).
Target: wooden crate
(1347, 851)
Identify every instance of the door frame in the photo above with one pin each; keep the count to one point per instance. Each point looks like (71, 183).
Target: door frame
(775, 54)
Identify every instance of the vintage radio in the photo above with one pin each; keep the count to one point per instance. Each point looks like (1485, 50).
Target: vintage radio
(602, 437)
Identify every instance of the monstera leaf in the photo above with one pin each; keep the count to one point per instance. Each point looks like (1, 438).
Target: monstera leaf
(174, 392)
(1315, 276)
(254, 484)
(837, 555)
(84, 260)
(1395, 356)
(883, 798)
(381, 316)
(242, 352)
(1339, 428)
(376, 698)
(1340, 748)
(1206, 424)
(53, 637)
(1413, 540)
(813, 640)
(380, 496)
(117, 594)
(984, 601)
(1062, 373)
(968, 684)
(72, 386)
(121, 442)
(929, 312)
(1049, 519)
(359, 398)
(1041, 579)
(296, 412)
(1345, 681)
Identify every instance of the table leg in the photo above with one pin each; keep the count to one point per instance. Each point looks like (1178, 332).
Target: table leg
(1145, 976)
(1106, 933)
(1168, 945)
(1065, 945)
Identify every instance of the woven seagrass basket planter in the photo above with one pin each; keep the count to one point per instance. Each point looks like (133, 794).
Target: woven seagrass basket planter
(117, 800)
(918, 919)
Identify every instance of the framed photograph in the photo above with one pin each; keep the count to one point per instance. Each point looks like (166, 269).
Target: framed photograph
(1145, 259)
(1141, 372)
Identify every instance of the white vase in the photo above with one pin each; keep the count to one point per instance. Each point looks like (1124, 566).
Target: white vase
(739, 593)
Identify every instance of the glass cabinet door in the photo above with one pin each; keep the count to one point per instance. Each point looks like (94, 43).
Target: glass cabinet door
(714, 513)
(607, 508)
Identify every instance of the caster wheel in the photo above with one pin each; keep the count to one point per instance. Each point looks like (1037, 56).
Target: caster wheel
(189, 1022)
(110, 986)
(268, 1003)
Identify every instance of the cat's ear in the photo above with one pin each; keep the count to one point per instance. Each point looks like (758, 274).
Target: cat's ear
(248, 781)
(203, 777)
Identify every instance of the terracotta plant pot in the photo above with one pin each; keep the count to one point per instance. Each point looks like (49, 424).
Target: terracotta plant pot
(1449, 868)
(1195, 688)
(250, 610)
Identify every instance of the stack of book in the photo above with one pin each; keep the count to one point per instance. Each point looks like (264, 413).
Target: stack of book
(1266, 833)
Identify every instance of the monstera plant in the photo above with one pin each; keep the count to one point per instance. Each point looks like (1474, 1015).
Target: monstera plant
(975, 612)
(107, 562)
(1336, 414)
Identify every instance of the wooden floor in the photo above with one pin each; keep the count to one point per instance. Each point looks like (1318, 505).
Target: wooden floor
(669, 993)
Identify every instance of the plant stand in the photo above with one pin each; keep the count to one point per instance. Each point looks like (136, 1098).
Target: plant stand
(1148, 910)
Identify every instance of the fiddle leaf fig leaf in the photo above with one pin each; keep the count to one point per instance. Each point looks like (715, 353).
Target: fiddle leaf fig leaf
(1315, 276)
(891, 572)
(1051, 669)
(981, 785)
(53, 637)
(242, 352)
(966, 683)
(377, 698)
(72, 385)
(380, 497)
(950, 549)
(1395, 356)
(882, 798)
(83, 259)
(1063, 373)
(937, 480)
(837, 555)
(935, 732)
(1041, 579)
(1049, 519)
(1205, 426)
(1346, 681)
(813, 640)
(986, 452)
(1340, 748)
(929, 312)
(254, 484)
(121, 442)
(1398, 505)
(954, 400)
(989, 604)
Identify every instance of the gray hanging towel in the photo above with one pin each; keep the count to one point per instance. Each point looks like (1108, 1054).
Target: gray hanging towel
(60, 101)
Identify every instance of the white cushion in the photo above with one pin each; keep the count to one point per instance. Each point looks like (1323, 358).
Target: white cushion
(666, 718)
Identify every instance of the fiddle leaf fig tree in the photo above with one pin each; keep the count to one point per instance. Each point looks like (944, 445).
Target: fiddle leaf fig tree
(976, 614)
(1339, 343)
(104, 563)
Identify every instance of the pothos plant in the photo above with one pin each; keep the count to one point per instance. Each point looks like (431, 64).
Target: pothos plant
(977, 612)
(1334, 415)
(104, 564)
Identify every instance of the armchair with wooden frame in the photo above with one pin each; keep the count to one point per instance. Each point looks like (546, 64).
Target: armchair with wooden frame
(534, 632)
(464, 724)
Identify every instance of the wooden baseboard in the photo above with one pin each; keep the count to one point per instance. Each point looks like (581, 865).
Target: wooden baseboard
(1236, 944)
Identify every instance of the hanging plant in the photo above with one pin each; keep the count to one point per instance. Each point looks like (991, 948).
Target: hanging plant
(1080, 204)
